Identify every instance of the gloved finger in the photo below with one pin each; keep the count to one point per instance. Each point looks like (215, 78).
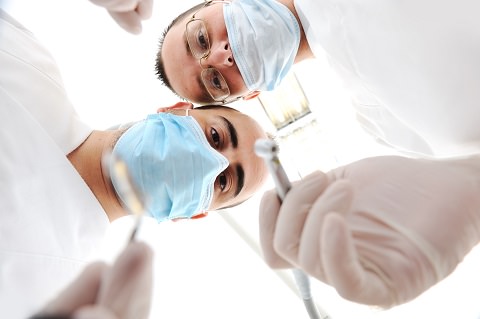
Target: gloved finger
(293, 213)
(353, 279)
(129, 21)
(145, 9)
(126, 288)
(268, 214)
(94, 312)
(337, 197)
(82, 291)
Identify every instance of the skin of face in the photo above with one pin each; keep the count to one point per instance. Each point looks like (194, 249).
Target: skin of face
(220, 126)
(183, 70)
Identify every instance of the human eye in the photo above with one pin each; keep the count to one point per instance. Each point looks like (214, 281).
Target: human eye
(217, 81)
(197, 38)
(222, 181)
(215, 137)
(202, 39)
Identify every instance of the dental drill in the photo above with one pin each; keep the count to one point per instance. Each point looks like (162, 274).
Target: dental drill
(268, 150)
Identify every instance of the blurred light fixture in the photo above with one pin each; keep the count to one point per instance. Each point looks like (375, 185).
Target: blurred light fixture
(286, 104)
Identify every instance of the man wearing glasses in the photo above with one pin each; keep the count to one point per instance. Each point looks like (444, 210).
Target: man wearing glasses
(203, 65)
(196, 34)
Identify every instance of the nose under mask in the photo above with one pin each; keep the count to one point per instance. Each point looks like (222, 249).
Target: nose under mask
(264, 37)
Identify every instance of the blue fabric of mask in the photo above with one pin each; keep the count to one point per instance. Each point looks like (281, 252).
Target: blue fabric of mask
(264, 37)
(172, 164)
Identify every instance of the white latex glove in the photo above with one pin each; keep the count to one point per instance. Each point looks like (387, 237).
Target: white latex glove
(381, 230)
(120, 291)
(128, 13)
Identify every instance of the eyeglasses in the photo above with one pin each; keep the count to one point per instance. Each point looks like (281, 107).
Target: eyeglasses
(199, 44)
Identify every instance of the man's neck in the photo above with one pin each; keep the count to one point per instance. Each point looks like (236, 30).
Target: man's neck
(87, 160)
(304, 50)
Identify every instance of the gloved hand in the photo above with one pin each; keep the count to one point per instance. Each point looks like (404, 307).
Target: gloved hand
(380, 230)
(120, 291)
(128, 13)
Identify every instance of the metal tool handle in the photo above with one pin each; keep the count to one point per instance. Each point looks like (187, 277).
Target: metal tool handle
(268, 149)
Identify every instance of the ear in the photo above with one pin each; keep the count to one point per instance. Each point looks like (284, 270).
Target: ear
(177, 106)
(252, 95)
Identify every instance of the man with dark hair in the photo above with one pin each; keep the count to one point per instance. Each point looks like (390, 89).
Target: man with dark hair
(57, 198)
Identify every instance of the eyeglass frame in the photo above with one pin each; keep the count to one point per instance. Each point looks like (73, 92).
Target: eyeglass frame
(207, 54)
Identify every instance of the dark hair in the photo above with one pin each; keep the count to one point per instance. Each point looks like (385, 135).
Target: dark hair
(159, 65)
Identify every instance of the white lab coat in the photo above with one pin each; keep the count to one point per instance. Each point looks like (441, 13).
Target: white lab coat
(50, 221)
(413, 67)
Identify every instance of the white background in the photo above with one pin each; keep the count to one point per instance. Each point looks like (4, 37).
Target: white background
(204, 268)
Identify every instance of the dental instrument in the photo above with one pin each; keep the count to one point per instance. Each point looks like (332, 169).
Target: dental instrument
(268, 150)
(132, 199)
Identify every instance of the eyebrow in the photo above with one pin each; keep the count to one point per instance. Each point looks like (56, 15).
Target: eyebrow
(232, 133)
(240, 179)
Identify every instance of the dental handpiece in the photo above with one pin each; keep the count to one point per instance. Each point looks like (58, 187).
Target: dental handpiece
(268, 150)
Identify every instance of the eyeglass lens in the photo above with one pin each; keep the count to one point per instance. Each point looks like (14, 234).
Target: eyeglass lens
(199, 44)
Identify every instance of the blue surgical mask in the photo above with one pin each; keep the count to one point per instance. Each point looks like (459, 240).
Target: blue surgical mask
(172, 164)
(264, 37)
